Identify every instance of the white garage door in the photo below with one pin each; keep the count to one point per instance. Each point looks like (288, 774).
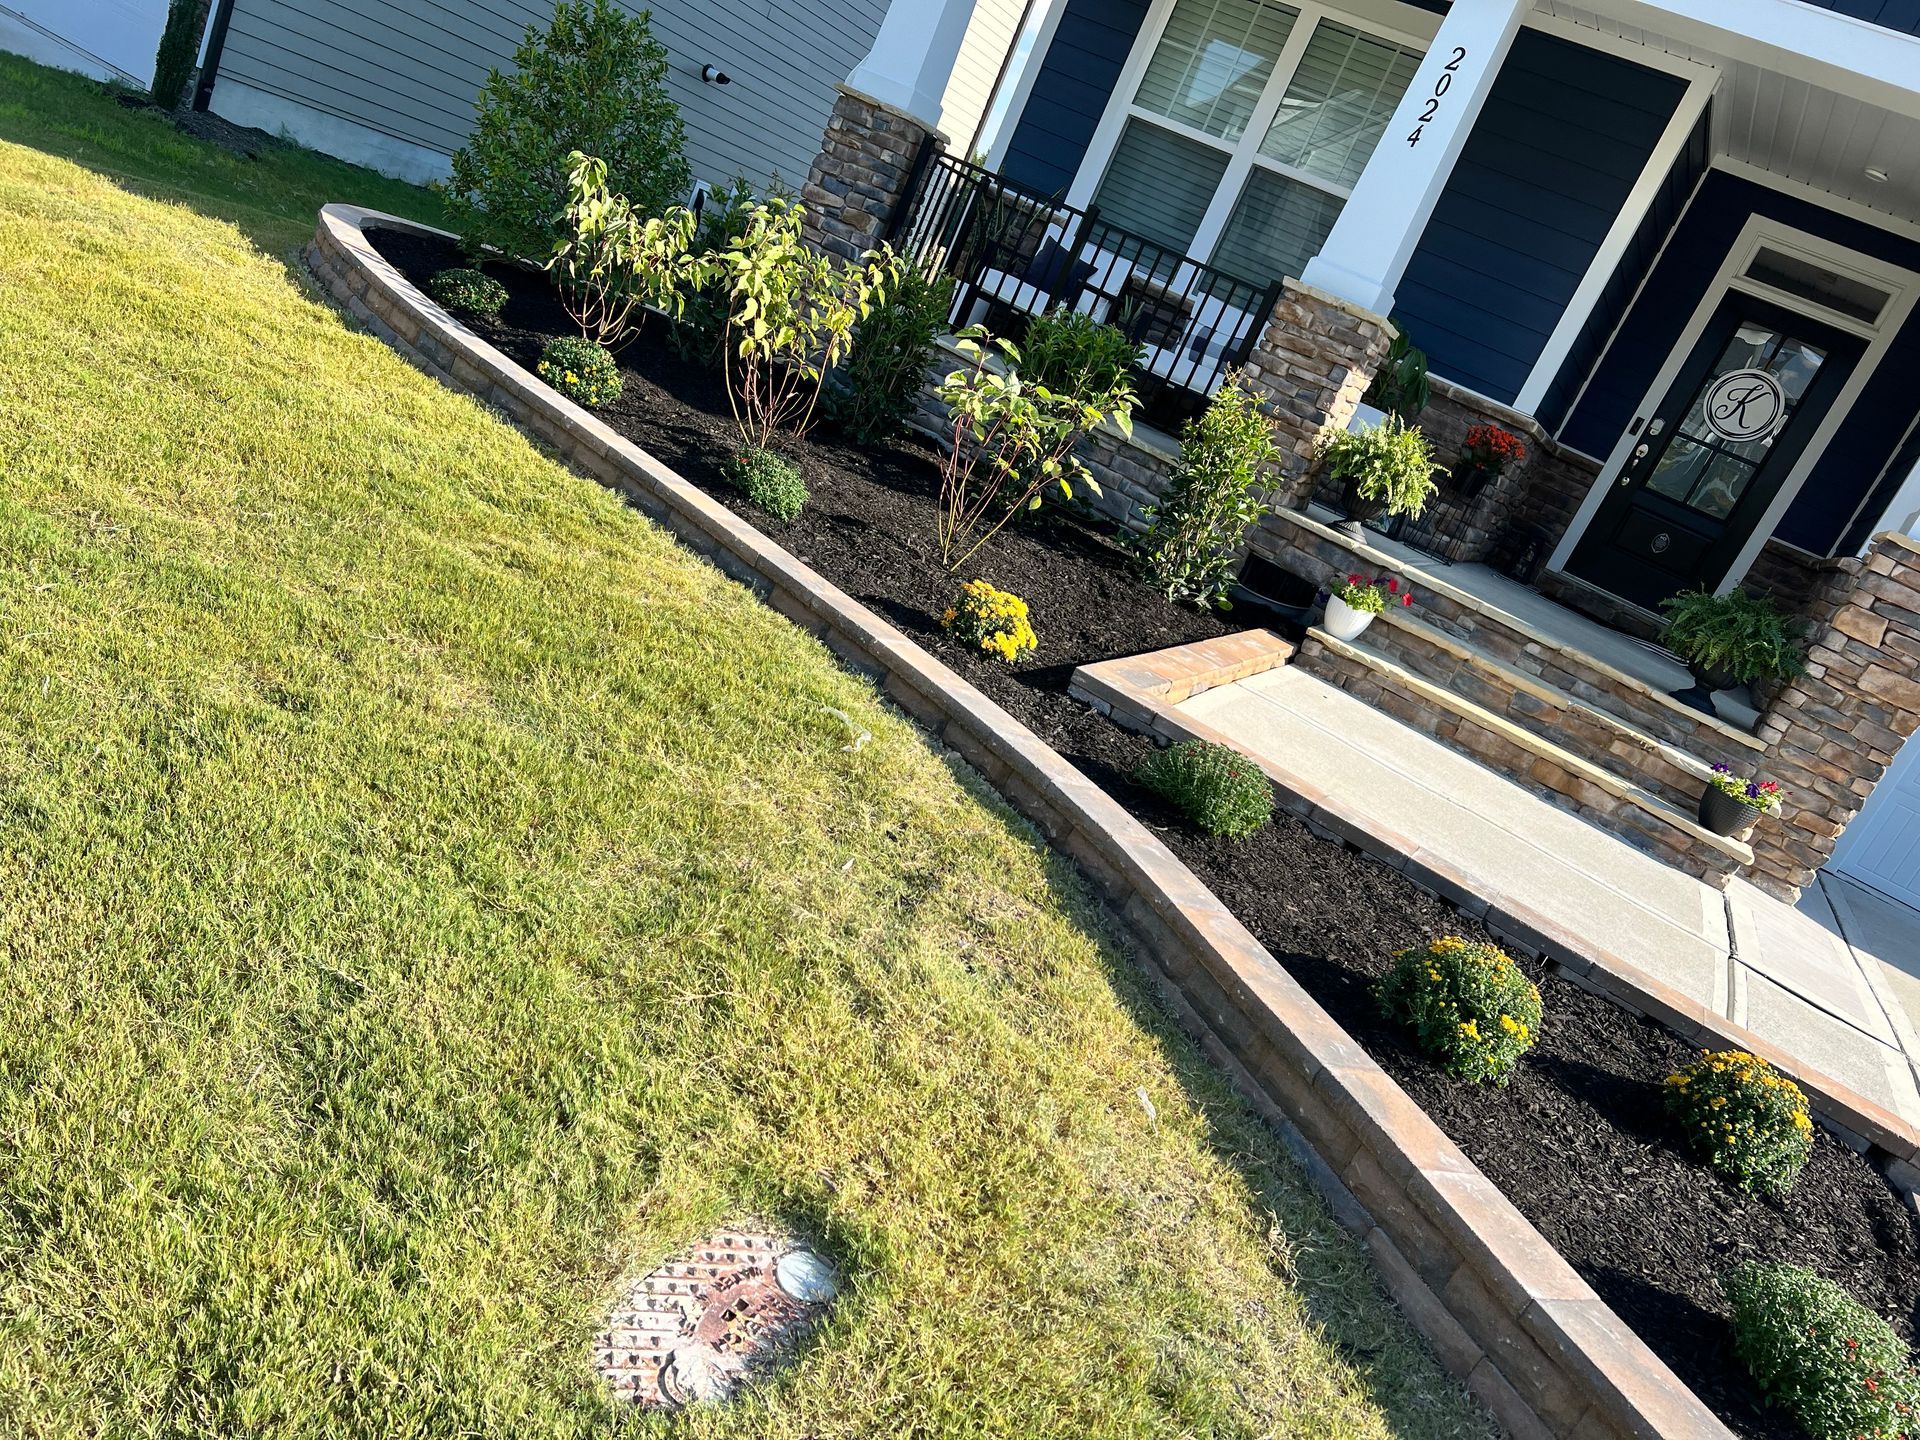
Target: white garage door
(99, 37)
(1882, 846)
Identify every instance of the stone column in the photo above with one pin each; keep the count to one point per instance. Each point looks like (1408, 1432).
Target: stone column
(1312, 364)
(888, 108)
(1834, 730)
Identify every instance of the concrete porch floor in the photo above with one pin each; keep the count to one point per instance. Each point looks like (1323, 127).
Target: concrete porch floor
(1806, 978)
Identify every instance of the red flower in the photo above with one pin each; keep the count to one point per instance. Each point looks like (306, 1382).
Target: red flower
(1407, 599)
(1393, 585)
(1353, 580)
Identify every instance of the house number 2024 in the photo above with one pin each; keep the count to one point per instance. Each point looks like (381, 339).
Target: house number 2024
(1440, 87)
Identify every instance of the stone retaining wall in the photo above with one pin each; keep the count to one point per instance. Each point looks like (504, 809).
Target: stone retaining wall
(1499, 1305)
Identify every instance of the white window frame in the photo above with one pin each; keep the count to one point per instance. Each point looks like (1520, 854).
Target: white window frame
(1244, 153)
(1903, 289)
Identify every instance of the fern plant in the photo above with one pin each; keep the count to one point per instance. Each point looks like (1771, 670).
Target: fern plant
(1747, 636)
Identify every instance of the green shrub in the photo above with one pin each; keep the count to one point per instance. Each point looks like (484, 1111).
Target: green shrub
(791, 310)
(1193, 537)
(1389, 461)
(1071, 353)
(1743, 1118)
(1832, 1364)
(179, 51)
(875, 390)
(769, 480)
(596, 82)
(1214, 786)
(580, 370)
(610, 263)
(1470, 1007)
(1746, 635)
(700, 326)
(469, 290)
(991, 620)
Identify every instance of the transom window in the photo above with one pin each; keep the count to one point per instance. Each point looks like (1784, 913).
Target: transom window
(1251, 123)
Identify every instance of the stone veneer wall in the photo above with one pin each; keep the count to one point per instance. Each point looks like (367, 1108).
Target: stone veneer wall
(1834, 730)
(861, 174)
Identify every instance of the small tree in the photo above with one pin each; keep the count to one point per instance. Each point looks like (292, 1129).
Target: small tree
(1194, 537)
(1012, 442)
(610, 263)
(874, 392)
(179, 50)
(596, 82)
(791, 312)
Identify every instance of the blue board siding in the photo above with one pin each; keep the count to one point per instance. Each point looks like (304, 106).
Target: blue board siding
(1878, 421)
(1561, 142)
(1902, 15)
(1082, 65)
(1611, 308)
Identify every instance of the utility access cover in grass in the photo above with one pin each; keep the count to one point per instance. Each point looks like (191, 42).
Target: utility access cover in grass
(727, 1311)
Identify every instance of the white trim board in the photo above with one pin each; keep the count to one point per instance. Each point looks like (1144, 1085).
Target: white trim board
(1903, 287)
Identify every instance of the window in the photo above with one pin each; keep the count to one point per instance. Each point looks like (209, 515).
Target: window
(1840, 293)
(1242, 142)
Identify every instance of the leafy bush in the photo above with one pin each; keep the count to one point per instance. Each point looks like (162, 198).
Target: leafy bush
(791, 310)
(1832, 1364)
(609, 262)
(1193, 537)
(595, 82)
(1470, 1007)
(1743, 1118)
(701, 316)
(469, 290)
(1400, 386)
(1011, 442)
(991, 620)
(1214, 786)
(179, 51)
(1071, 353)
(580, 370)
(770, 481)
(1389, 461)
(875, 389)
(1746, 635)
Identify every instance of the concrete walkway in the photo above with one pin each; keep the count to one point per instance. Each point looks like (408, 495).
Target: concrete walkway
(1807, 979)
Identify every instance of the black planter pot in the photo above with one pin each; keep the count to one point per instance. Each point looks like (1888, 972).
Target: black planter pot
(1724, 815)
(1466, 480)
(1358, 509)
(1705, 682)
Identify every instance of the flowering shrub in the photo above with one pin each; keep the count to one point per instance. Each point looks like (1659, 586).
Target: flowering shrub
(1492, 448)
(991, 620)
(1820, 1355)
(1743, 1118)
(1468, 1004)
(580, 370)
(1214, 786)
(469, 290)
(1374, 595)
(770, 481)
(1762, 795)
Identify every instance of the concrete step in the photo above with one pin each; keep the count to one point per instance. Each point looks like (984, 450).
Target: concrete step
(1608, 799)
(1310, 546)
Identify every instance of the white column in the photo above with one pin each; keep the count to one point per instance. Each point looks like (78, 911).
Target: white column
(913, 56)
(1373, 239)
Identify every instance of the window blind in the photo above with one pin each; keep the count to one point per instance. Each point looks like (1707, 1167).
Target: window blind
(1338, 103)
(1213, 61)
(1276, 227)
(1159, 184)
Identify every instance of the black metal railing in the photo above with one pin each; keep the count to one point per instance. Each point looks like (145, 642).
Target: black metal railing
(1014, 253)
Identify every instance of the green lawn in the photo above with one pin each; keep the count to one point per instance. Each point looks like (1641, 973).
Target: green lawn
(427, 895)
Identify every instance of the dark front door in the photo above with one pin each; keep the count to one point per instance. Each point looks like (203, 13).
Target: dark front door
(1716, 451)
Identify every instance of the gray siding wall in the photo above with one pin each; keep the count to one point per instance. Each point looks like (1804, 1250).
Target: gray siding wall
(410, 69)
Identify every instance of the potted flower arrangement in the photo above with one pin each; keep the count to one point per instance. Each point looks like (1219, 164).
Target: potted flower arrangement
(1484, 457)
(1732, 806)
(1387, 469)
(1351, 608)
(1729, 640)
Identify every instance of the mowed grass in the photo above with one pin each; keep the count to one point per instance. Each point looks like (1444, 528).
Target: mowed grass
(428, 896)
(271, 197)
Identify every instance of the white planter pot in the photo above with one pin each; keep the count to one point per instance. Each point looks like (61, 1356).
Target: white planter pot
(1342, 621)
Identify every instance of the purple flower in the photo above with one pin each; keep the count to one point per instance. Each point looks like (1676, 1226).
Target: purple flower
(1723, 769)
(1753, 790)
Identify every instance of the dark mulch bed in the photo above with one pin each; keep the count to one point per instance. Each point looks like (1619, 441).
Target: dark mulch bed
(1577, 1141)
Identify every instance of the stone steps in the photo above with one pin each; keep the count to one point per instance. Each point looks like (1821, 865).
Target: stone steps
(1451, 620)
(1622, 806)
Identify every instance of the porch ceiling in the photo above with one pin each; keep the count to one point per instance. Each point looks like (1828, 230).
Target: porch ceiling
(1789, 125)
